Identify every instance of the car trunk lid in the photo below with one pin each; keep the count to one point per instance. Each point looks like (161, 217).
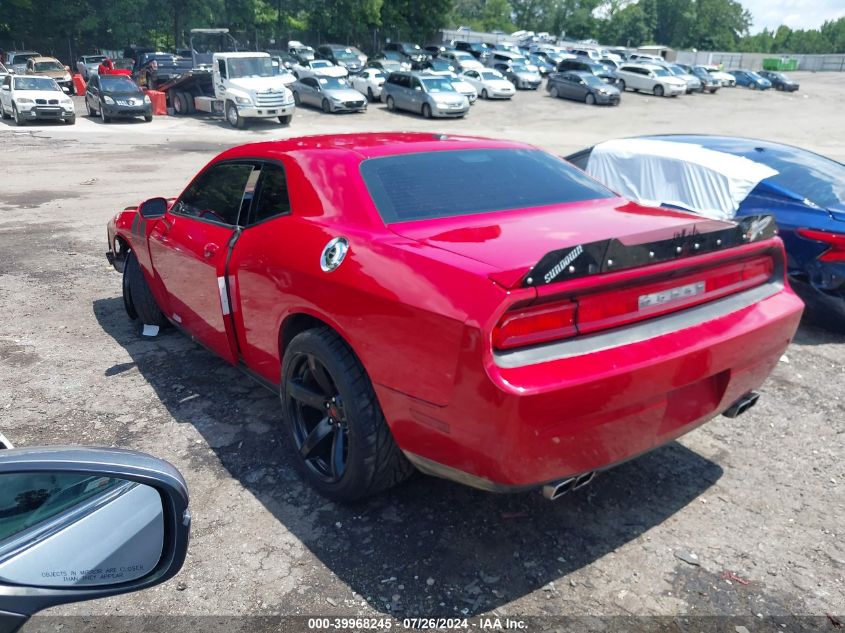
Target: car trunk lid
(516, 242)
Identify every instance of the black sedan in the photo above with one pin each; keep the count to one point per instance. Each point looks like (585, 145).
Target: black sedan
(780, 81)
(116, 96)
(582, 86)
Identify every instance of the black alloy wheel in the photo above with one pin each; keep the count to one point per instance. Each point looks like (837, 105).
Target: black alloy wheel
(320, 426)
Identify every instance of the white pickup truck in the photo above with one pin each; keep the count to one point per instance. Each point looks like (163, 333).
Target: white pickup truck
(241, 86)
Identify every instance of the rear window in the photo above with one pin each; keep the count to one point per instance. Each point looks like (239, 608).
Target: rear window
(466, 182)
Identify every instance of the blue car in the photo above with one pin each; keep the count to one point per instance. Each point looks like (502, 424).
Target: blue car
(750, 79)
(805, 192)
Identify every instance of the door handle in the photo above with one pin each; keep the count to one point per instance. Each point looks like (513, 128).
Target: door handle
(210, 250)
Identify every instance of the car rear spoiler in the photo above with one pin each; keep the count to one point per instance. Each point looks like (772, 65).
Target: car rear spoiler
(612, 255)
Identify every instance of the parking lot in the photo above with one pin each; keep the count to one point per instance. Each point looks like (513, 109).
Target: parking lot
(741, 518)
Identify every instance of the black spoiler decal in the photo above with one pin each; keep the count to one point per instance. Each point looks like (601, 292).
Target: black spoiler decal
(612, 255)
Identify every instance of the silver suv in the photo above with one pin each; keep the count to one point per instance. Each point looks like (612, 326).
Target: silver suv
(429, 95)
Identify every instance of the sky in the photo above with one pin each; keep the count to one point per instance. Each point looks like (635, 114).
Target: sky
(796, 14)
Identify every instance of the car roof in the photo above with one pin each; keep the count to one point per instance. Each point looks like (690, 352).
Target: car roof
(372, 144)
(44, 59)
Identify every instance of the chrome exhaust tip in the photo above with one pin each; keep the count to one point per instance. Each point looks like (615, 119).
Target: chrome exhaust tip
(742, 405)
(558, 489)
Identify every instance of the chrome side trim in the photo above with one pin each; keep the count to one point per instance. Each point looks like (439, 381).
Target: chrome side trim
(638, 332)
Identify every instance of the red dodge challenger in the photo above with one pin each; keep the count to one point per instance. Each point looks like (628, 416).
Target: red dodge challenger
(477, 309)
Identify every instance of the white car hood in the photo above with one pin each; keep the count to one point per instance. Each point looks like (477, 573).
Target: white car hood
(655, 172)
(39, 94)
(330, 71)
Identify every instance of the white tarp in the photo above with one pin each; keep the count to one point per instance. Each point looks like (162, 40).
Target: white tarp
(685, 175)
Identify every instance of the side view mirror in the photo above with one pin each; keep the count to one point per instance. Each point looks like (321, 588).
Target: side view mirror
(84, 523)
(417, 88)
(153, 208)
(6, 88)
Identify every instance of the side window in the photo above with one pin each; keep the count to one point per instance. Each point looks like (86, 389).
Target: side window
(217, 194)
(415, 83)
(221, 66)
(8, 81)
(272, 198)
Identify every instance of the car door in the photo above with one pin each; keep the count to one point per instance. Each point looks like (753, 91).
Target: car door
(416, 96)
(189, 249)
(6, 94)
(261, 264)
(474, 79)
(313, 93)
(566, 85)
(92, 93)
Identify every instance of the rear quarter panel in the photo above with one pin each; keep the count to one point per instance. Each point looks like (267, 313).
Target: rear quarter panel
(403, 307)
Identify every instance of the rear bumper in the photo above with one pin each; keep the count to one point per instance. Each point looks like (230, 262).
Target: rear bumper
(512, 428)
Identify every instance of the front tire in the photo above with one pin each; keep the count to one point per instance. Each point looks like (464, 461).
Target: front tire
(71, 120)
(370, 95)
(553, 92)
(658, 90)
(484, 94)
(391, 104)
(17, 117)
(148, 118)
(590, 99)
(426, 111)
(103, 114)
(621, 85)
(3, 114)
(339, 439)
(327, 107)
(137, 296)
(233, 116)
(286, 119)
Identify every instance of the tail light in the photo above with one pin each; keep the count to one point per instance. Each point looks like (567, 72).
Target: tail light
(594, 311)
(835, 242)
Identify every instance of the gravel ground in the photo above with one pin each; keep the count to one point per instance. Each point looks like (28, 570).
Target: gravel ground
(761, 497)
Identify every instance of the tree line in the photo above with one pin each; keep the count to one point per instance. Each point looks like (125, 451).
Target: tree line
(80, 26)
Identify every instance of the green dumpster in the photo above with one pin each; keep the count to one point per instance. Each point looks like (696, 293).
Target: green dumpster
(780, 63)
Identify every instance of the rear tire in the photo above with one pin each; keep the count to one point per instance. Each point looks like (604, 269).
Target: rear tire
(370, 95)
(621, 85)
(355, 455)
(140, 298)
